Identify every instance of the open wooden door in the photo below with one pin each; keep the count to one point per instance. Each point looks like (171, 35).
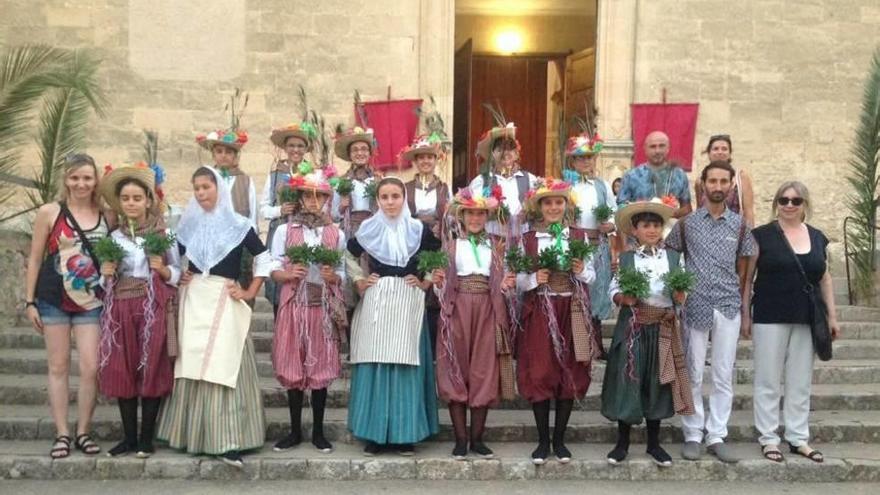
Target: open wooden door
(580, 83)
(461, 115)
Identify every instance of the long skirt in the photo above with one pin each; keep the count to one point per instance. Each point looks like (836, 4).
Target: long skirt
(206, 418)
(540, 373)
(120, 376)
(272, 290)
(630, 395)
(304, 358)
(600, 300)
(394, 403)
(472, 377)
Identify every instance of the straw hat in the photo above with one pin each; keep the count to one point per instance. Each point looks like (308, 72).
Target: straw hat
(583, 145)
(113, 176)
(465, 199)
(231, 139)
(547, 187)
(303, 130)
(487, 140)
(422, 145)
(623, 218)
(344, 140)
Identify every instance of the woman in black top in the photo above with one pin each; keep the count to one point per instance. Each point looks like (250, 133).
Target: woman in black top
(780, 320)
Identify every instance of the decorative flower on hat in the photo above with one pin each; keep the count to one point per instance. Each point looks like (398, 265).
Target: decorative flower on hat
(466, 199)
(549, 186)
(427, 144)
(583, 145)
(232, 138)
(670, 200)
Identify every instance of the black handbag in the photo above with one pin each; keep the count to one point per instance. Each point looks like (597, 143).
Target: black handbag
(818, 311)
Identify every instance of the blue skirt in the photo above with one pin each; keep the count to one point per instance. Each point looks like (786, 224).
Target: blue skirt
(599, 299)
(395, 403)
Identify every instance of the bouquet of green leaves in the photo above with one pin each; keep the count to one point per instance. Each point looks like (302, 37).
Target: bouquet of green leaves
(432, 260)
(602, 213)
(579, 250)
(372, 190)
(517, 261)
(633, 283)
(108, 250)
(300, 255)
(288, 194)
(679, 280)
(156, 243)
(343, 186)
(548, 259)
(325, 256)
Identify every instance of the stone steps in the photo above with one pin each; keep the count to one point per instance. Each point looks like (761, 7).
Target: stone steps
(843, 462)
(31, 390)
(35, 423)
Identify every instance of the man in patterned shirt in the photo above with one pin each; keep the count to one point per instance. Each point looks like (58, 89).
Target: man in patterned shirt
(657, 178)
(713, 239)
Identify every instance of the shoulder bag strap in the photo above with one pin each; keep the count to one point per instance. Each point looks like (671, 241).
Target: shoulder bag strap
(808, 285)
(79, 232)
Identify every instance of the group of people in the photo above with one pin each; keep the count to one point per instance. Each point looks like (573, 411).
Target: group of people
(471, 298)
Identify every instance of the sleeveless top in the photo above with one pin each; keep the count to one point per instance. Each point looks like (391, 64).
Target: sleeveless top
(79, 275)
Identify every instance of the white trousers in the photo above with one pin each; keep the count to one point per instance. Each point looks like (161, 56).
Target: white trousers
(725, 333)
(783, 348)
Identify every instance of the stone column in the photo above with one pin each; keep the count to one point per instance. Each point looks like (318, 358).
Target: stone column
(615, 72)
(436, 61)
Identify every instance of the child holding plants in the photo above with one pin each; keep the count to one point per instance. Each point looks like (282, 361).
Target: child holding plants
(140, 266)
(646, 375)
(311, 317)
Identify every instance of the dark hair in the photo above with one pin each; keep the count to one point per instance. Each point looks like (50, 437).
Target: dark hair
(719, 137)
(718, 164)
(390, 180)
(204, 172)
(234, 150)
(616, 181)
(646, 217)
(133, 180)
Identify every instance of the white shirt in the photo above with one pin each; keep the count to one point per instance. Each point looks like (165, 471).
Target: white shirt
(359, 200)
(466, 263)
(269, 211)
(654, 265)
(529, 281)
(311, 237)
(587, 200)
(252, 200)
(510, 190)
(135, 263)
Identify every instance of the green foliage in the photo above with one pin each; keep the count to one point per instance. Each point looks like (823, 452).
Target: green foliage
(602, 213)
(548, 259)
(288, 194)
(157, 243)
(863, 180)
(432, 260)
(679, 280)
(300, 255)
(580, 249)
(517, 261)
(633, 283)
(372, 190)
(344, 187)
(325, 256)
(107, 249)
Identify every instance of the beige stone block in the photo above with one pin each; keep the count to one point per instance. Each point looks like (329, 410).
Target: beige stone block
(152, 118)
(870, 14)
(69, 15)
(265, 42)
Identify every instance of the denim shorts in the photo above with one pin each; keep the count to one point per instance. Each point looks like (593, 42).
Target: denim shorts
(53, 315)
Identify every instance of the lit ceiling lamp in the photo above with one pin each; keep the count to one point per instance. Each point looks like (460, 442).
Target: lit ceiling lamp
(509, 41)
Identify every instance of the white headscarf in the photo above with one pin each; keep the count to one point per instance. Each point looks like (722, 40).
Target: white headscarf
(211, 235)
(391, 241)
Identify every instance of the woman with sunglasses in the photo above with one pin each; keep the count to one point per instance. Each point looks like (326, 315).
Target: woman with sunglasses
(780, 320)
(741, 198)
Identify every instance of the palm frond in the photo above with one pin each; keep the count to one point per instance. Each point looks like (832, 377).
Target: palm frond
(236, 107)
(434, 123)
(359, 108)
(497, 113)
(303, 103)
(151, 147)
(863, 180)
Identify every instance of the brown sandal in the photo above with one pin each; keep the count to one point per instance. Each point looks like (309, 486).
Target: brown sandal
(60, 448)
(86, 445)
(771, 452)
(813, 455)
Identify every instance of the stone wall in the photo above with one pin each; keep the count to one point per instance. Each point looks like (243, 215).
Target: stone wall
(14, 250)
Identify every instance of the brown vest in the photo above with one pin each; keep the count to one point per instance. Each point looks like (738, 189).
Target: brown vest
(241, 200)
(442, 197)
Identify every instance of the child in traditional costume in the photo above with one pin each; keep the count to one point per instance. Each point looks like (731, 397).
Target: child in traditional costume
(593, 194)
(357, 146)
(555, 348)
(393, 399)
(646, 376)
(135, 362)
(311, 317)
(295, 140)
(216, 407)
(474, 333)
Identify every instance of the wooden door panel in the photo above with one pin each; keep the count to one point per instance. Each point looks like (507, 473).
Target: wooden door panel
(461, 120)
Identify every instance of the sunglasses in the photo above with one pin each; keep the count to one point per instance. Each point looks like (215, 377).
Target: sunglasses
(784, 201)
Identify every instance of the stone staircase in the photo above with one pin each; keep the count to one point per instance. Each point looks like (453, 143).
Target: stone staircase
(845, 424)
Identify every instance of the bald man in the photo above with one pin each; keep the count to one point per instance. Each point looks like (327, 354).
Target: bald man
(657, 177)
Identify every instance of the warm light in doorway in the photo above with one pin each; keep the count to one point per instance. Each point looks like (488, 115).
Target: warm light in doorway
(508, 41)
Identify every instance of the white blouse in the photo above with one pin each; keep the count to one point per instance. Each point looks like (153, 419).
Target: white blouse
(311, 237)
(135, 263)
(528, 281)
(466, 263)
(268, 211)
(587, 200)
(654, 264)
(359, 200)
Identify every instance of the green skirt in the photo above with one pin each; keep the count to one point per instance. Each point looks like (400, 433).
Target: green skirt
(631, 400)
(206, 418)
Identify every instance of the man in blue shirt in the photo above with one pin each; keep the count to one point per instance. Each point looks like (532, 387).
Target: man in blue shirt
(656, 178)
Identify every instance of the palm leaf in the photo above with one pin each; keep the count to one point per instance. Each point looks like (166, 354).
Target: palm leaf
(497, 113)
(151, 147)
(863, 180)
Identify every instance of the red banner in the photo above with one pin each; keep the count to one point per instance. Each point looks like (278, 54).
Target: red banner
(677, 120)
(395, 124)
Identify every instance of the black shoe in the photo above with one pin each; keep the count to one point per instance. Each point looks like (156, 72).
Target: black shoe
(372, 449)
(288, 442)
(481, 450)
(617, 455)
(232, 458)
(122, 448)
(406, 449)
(561, 452)
(145, 450)
(322, 444)
(539, 456)
(659, 456)
(459, 453)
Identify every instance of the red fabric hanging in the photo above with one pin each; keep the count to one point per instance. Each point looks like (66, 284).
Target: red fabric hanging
(677, 120)
(395, 124)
